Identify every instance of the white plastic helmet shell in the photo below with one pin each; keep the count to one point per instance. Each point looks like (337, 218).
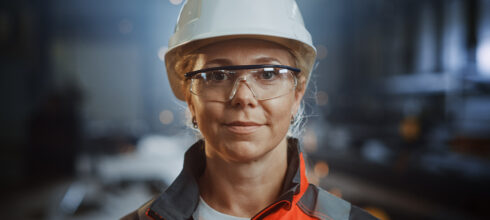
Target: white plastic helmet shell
(202, 22)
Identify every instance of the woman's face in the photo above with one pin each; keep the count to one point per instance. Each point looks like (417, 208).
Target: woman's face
(244, 128)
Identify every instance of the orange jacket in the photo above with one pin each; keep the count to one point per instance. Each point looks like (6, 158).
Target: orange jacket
(299, 200)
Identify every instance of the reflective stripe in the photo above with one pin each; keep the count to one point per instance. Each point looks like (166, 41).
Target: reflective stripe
(319, 203)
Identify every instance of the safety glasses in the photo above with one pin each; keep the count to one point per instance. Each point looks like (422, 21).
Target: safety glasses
(221, 83)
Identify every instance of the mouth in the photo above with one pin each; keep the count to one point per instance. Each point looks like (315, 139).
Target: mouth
(242, 127)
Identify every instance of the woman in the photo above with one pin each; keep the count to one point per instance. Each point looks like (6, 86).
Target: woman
(242, 66)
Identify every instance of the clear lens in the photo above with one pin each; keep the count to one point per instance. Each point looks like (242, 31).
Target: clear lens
(265, 83)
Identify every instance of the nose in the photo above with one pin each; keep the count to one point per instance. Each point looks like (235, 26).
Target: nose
(242, 95)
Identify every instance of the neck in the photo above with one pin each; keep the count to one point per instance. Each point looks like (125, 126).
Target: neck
(243, 189)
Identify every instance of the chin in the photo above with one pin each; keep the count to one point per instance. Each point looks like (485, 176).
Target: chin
(245, 151)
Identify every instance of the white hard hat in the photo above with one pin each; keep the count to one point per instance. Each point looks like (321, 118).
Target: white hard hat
(202, 22)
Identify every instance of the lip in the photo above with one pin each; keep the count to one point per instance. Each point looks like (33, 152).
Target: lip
(242, 127)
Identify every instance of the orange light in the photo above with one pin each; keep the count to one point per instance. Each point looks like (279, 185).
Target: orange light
(313, 178)
(321, 169)
(410, 128)
(336, 192)
(377, 212)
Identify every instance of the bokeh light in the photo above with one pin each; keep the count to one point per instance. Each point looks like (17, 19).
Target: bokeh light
(483, 57)
(410, 128)
(125, 26)
(321, 169)
(378, 213)
(175, 2)
(310, 141)
(312, 178)
(321, 51)
(336, 192)
(166, 117)
(321, 98)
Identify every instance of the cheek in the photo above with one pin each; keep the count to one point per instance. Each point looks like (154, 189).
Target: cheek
(279, 111)
(208, 117)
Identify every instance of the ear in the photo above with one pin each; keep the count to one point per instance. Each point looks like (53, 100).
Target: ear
(298, 96)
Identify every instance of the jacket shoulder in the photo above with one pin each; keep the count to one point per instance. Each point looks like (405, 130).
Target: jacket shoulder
(323, 205)
(357, 213)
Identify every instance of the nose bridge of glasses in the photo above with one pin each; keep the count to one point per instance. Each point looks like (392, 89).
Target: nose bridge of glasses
(236, 86)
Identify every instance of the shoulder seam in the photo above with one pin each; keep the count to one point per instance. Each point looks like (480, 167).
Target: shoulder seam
(313, 213)
(321, 204)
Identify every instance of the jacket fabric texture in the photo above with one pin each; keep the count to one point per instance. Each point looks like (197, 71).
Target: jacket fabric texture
(298, 200)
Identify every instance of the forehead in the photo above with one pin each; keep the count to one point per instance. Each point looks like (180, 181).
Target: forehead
(244, 52)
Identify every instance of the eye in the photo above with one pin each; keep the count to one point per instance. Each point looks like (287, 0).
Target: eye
(268, 75)
(218, 76)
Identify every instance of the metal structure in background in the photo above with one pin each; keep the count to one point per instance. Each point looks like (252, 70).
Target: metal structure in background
(411, 107)
(399, 116)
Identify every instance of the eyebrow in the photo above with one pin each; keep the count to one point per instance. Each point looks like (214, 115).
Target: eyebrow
(267, 60)
(219, 61)
(226, 62)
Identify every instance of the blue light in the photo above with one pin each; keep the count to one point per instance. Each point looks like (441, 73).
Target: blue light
(483, 57)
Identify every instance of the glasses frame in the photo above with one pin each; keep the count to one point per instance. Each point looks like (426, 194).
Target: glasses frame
(189, 75)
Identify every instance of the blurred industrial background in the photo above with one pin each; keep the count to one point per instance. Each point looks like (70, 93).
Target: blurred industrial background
(398, 108)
